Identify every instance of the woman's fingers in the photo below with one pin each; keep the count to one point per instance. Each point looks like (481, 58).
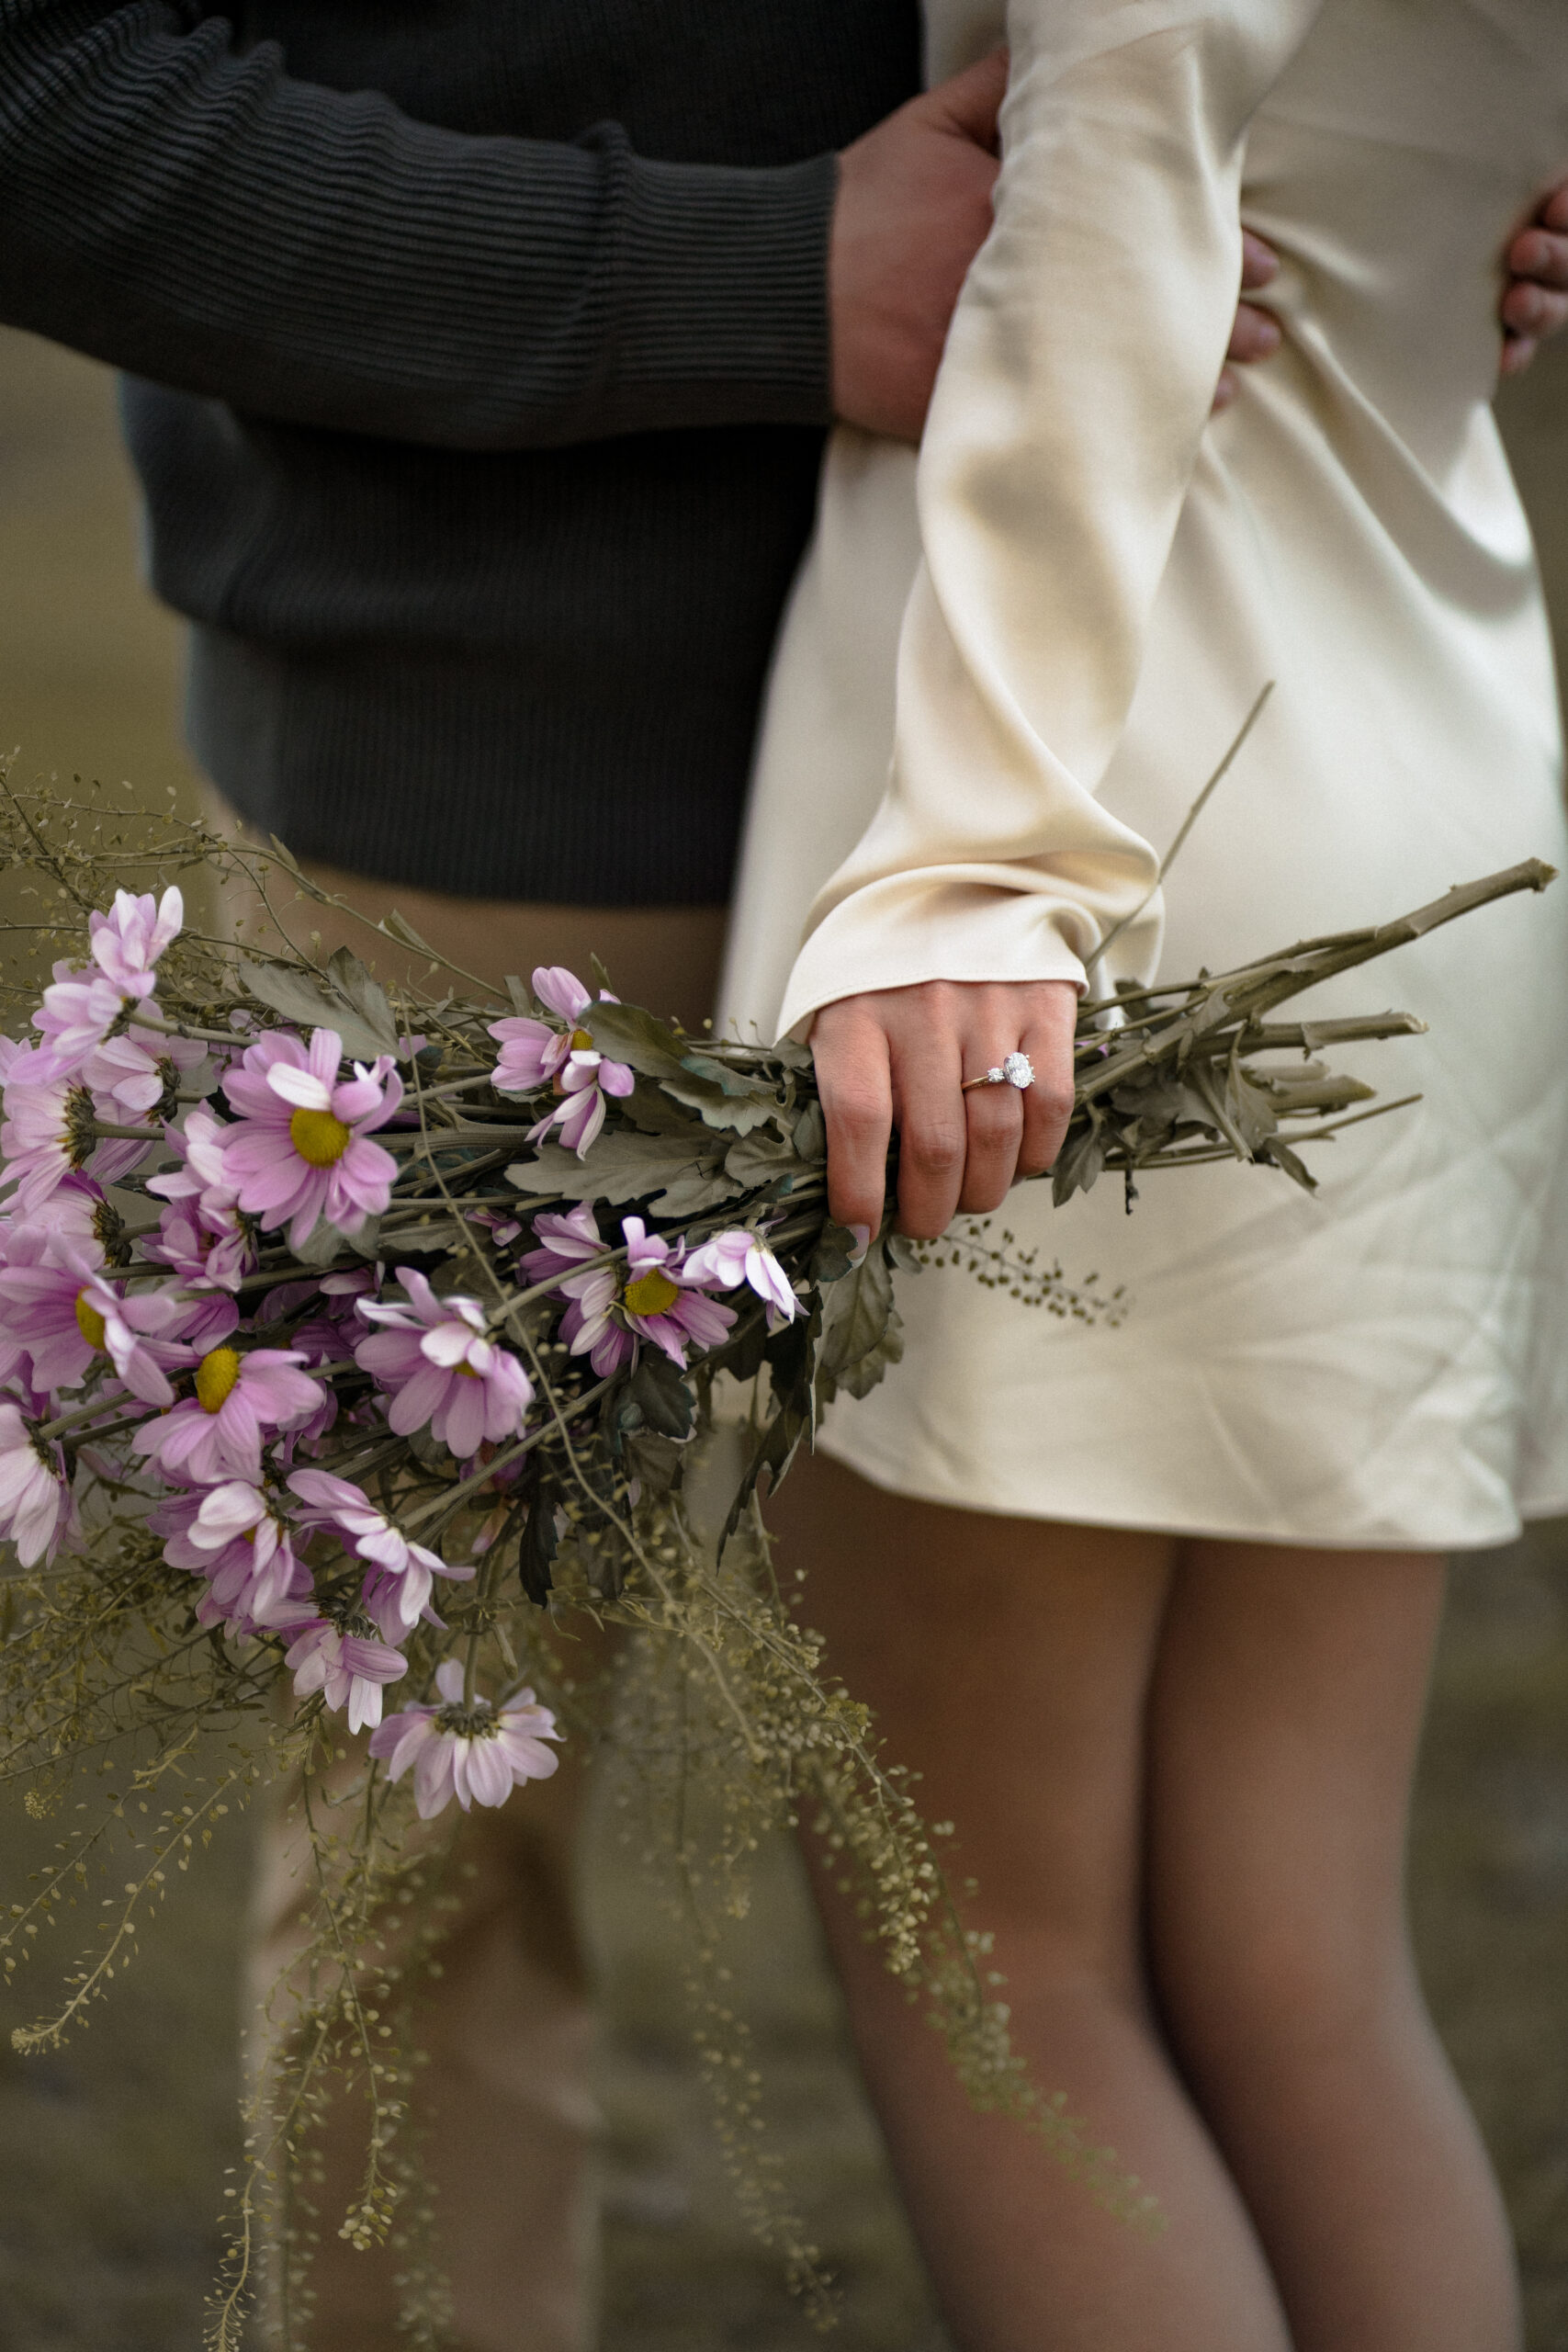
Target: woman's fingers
(1048, 1104)
(850, 1048)
(901, 1058)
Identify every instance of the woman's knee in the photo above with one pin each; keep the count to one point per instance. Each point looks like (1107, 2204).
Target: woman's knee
(1268, 1992)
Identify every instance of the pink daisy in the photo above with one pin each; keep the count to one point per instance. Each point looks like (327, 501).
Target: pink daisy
(398, 1583)
(570, 1237)
(56, 1305)
(230, 1535)
(217, 1433)
(34, 1497)
(661, 1299)
(739, 1256)
(444, 1369)
(300, 1150)
(129, 1082)
(349, 1669)
(533, 1054)
(476, 1753)
(83, 1005)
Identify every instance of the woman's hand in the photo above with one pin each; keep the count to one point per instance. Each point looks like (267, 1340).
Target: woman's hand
(898, 1058)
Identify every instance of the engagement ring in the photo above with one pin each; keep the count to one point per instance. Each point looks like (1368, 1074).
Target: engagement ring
(1016, 1070)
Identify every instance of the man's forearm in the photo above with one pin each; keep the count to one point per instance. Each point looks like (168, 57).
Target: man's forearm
(316, 256)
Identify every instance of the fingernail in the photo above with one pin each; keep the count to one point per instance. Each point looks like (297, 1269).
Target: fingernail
(861, 1235)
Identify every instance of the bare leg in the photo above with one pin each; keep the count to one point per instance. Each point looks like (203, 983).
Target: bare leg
(1286, 1707)
(1008, 1662)
(507, 2027)
(664, 957)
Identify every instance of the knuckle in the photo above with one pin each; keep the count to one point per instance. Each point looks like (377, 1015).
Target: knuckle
(857, 1112)
(935, 1151)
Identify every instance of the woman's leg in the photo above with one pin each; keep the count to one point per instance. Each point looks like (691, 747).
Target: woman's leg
(1008, 1663)
(1286, 1711)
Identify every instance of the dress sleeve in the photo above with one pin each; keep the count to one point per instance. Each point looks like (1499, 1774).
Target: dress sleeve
(1077, 378)
(190, 211)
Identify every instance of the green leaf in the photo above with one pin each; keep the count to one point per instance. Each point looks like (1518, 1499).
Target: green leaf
(367, 995)
(737, 1113)
(834, 1255)
(628, 1034)
(773, 1451)
(1079, 1161)
(727, 1078)
(762, 1158)
(1285, 1158)
(290, 994)
(398, 927)
(861, 1333)
(626, 1166)
(657, 1460)
(811, 1137)
(741, 1354)
(537, 1550)
(649, 1107)
(658, 1388)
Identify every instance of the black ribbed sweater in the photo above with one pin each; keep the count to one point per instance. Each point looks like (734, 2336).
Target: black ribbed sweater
(478, 362)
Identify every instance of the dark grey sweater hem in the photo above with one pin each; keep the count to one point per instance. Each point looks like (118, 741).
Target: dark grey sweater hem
(460, 775)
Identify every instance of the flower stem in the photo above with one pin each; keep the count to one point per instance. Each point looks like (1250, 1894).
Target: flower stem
(82, 1413)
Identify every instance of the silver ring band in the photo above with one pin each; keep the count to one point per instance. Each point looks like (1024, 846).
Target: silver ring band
(1017, 1070)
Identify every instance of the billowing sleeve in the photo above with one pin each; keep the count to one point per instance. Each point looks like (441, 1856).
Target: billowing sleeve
(1077, 382)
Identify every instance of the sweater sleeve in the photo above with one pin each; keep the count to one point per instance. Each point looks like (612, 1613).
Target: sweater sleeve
(1077, 382)
(197, 216)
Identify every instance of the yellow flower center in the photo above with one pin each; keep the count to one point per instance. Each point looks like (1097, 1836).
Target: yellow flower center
(216, 1377)
(89, 1322)
(318, 1137)
(651, 1294)
(580, 1043)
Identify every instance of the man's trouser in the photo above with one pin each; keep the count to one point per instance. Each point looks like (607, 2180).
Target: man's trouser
(503, 2103)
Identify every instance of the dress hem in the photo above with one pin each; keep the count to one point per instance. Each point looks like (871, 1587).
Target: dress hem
(1179, 1524)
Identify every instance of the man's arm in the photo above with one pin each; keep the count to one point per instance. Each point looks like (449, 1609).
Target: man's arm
(200, 217)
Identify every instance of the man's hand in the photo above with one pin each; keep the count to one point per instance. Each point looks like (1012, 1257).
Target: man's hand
(914, 208)
(1536, 301)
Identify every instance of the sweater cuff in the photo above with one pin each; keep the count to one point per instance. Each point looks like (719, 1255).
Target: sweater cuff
(724, 313)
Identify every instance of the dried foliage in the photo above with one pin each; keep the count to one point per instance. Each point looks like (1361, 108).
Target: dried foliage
(645, 1386)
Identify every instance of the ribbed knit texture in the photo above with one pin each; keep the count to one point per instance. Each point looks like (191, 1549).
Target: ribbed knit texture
(488, 358)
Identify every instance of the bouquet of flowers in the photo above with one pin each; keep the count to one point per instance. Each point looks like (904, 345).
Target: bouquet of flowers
(350, 1339)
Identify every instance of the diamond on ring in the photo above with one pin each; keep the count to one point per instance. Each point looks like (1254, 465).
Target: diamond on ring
(1016, 1070)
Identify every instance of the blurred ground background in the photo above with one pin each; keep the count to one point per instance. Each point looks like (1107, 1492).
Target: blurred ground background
(112, 2152)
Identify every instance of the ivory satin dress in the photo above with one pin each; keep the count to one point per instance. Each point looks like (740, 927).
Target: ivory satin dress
(1009, 668)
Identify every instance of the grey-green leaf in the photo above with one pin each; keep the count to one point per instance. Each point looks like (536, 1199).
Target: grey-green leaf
(367, 995)
(626, 1166)
(628, 1034)
(299, 1001)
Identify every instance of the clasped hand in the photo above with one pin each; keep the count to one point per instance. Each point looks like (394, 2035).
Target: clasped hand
(899, 1058)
